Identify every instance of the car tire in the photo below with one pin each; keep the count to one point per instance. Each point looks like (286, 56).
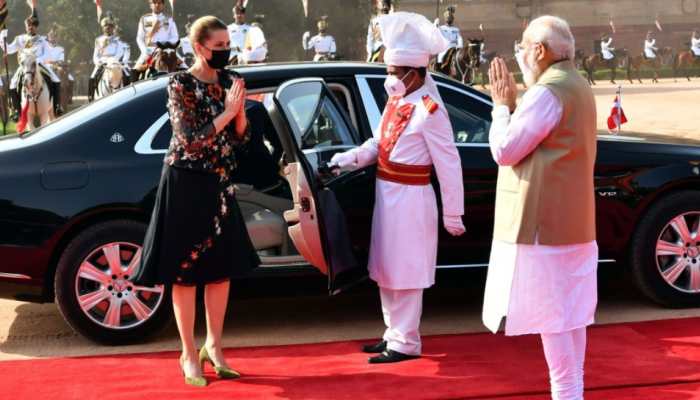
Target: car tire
(94, 303)
(646, 262)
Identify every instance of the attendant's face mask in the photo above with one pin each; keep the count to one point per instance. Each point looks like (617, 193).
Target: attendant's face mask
(396, 86)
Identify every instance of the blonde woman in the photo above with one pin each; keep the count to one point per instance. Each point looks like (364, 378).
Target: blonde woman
(197, 234)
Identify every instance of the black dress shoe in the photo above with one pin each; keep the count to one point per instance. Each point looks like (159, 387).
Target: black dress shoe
(391, 356)
(375, 348)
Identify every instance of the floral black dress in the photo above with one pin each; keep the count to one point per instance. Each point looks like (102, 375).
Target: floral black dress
(197, 234)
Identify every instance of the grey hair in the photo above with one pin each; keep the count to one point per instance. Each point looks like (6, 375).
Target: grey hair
(554, 33)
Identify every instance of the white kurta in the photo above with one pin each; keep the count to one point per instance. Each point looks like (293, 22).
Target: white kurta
(650, 48)
(374, 37)
(540, 289)
(403, 250)
(606, 49)
(695, 46)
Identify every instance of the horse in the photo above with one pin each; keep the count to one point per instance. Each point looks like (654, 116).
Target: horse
(467, 61)
(112, 78)
(447, 66)
(164, 60)
(35, 96)
(63, 71)
(596, 61)
(685, 60)
(663, 57)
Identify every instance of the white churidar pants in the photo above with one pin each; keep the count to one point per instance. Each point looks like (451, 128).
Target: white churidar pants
(402, 311)
(565, 353)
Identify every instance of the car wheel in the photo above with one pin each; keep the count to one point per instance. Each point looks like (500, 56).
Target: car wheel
(665, 251)
(94, 290)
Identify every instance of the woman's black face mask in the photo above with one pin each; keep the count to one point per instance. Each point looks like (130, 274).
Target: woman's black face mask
(219, 58)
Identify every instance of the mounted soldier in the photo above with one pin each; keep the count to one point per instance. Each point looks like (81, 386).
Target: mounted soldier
(255, 47)
(375, 44)
(39, 46)
(322, 44)
(248, 44)
(607, 51)
(185, 51)
(56, 59)
(108, 48)
(154, 27)
(650, 48)
(695, 43)
(453, 36)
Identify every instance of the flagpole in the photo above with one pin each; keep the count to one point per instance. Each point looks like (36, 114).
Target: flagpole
(619, 108)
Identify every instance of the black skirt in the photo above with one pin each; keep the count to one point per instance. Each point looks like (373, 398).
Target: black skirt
(197, 234)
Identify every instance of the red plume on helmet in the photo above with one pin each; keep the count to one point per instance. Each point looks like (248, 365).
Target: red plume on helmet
(240, 6)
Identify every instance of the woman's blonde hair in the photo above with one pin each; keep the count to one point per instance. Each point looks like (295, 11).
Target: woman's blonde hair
(203, 27)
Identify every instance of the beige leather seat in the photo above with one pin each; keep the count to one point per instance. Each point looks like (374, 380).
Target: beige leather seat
(263, 217)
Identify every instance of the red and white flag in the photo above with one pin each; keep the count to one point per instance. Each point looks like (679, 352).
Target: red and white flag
(612, 26)
(172, 6)
(32, 4)
(617, 116)
(98, 4)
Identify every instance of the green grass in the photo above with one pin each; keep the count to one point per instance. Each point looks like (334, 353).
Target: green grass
(10, 129)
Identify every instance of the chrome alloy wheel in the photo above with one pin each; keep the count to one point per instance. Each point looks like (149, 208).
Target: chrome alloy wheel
(105, 292)
(678, 253)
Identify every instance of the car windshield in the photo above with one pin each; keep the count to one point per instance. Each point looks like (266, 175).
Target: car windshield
(87, 113)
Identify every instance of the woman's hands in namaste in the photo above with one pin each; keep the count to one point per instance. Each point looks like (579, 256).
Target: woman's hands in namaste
(235, 98)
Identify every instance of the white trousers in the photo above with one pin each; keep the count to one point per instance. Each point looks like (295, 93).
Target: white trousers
(565, 353)
(402, 311)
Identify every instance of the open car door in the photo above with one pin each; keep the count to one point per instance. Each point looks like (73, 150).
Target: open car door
(329, 211)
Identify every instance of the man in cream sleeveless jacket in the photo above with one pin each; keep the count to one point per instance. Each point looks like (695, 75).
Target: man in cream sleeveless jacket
(542, 272)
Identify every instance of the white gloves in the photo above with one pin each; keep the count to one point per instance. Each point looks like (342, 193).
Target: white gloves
(3, 35)
(345, 161)
(453, 225)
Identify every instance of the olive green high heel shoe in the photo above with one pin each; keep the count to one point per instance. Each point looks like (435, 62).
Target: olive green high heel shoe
(198, 381)
(221, 372)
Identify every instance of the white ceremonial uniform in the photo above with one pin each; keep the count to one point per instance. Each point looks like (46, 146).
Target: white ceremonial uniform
(38, 45)
(108, 48)
(374, 38)
(403, 251)
(540, 289)
(453, 36)
(607, 49)
(255, 46)
(56, 54)
(238, 33)
(695, 46)
(322, 45)
(146, 38)
(650, 48)
(185, 48)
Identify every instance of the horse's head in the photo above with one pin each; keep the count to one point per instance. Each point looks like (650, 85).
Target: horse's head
(114, 73)
(165, 58)
(473, 52)
(27, 59)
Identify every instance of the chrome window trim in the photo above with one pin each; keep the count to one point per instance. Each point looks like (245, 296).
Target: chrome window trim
(23, 277)
(348, 101)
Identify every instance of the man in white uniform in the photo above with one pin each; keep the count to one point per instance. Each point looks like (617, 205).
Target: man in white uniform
(40, 47)
(248, 42)
(153, 28)
(451, 33)
(414, 135)
(56, 56)
(185, 51)
(606, 49)
(108, 47)
(695, 43)
(650, 48)
(375, 44)
(542, 272)
(322, 44)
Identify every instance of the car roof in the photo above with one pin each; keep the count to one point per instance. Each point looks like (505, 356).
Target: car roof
(282, 71)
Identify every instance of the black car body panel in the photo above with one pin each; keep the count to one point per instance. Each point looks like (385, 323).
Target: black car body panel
(82, 169)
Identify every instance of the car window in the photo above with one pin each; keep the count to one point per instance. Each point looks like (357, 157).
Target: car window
(329, 129)
(467, 126)
(470, 117)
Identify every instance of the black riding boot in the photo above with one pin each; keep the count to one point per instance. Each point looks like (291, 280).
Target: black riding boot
(57, 109)
(16, 104)
(91, 90)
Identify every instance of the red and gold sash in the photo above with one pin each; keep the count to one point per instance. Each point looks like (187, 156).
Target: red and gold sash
(395, 120)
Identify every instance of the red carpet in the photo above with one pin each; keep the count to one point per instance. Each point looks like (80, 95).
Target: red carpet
(642, 361)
